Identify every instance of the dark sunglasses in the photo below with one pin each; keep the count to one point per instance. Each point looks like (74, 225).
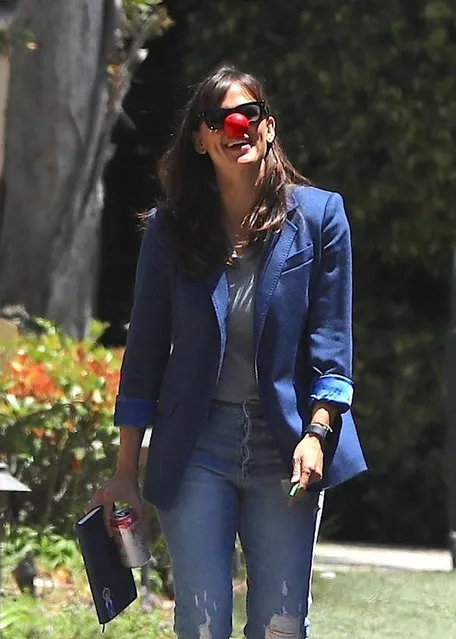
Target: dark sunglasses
(215, 118)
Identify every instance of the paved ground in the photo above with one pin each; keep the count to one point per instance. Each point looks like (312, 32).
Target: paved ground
(358, 556)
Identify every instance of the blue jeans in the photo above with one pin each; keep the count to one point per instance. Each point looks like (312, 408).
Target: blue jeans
(233, 485)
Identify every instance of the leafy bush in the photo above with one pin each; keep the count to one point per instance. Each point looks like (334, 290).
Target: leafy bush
(53, 551)
(27, 618)
(56, 430)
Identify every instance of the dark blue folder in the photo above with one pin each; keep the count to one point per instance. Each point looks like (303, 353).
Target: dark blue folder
(112, 584)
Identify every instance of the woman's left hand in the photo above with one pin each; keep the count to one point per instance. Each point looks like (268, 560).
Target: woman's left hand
(307, 461)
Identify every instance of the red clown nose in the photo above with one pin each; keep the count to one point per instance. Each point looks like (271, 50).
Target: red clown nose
(236, 125)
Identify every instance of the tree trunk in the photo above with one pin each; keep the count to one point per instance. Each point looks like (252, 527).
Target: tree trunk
(55, 150)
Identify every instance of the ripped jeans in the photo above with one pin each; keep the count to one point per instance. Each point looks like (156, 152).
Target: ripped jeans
(231, 486)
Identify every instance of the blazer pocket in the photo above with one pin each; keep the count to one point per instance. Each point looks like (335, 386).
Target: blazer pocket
(299, 259)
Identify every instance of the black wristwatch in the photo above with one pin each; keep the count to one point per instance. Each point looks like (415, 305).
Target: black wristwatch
(320, 430)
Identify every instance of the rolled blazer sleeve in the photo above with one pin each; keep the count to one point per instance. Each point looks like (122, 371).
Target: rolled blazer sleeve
(149, 334)
(330, 320)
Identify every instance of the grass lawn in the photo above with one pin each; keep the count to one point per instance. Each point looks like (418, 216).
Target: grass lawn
(374, 605)
(354, 605)
(390, 606)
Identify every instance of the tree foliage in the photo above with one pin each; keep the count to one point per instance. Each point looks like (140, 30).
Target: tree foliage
(137, 13)
(365, 99)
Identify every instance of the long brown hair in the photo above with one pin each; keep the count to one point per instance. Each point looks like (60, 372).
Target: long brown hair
(192, 203)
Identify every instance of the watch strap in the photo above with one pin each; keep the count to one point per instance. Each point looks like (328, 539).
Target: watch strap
(319, 430)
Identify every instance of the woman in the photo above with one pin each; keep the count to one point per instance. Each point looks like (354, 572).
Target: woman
(239, 355)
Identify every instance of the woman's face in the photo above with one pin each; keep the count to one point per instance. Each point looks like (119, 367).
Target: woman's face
(233, 153)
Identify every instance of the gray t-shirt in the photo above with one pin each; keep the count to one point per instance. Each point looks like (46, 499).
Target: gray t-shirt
(237, 381)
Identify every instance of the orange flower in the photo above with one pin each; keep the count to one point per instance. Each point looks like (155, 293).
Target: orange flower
(31, 379)
(26, 377)
(96, 368)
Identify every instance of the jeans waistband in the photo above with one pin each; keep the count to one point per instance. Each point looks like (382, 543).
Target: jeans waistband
(251, 407)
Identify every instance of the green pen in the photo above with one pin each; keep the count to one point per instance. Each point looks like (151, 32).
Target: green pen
(294, 489)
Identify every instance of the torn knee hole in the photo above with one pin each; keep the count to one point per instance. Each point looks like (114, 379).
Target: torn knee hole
(283, 627)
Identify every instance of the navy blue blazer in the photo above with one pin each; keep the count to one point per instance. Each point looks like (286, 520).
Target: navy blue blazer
(303, 337)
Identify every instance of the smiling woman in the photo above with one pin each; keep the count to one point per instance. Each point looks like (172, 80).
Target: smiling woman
(247, 167)
(242, 121)
(252, 130)
(239, 357)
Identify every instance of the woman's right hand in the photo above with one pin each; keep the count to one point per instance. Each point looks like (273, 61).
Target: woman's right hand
(121, 488)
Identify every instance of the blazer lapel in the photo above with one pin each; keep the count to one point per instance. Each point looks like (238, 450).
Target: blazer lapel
(275, 255)
(217, 283)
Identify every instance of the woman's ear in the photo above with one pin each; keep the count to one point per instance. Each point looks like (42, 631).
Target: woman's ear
(198, 143)
(270, 134)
